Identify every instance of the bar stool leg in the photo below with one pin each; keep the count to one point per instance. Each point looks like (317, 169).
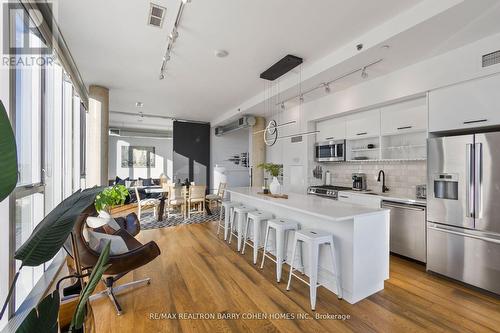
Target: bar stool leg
(265, 247)
(231, 225)
(256, 240)
(336, 272)
(240, 230)
(227, 221)
(302, 258)
(245, 235)
(291, 265)
(280, 244)
(313, 273)
(220, 220)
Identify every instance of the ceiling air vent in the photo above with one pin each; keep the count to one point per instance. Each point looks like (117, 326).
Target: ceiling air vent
(156, 15)
(492, 58)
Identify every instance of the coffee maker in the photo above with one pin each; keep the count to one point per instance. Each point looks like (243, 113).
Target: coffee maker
(358, 181)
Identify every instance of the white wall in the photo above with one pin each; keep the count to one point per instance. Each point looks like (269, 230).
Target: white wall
(222, 148)
(163, 160)
(450, 68)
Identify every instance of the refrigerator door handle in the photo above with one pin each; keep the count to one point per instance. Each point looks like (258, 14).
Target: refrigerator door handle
(469, 186)
(478, 176)
(464, 234)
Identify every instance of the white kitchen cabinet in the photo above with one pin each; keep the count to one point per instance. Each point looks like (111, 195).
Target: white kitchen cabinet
(404, 117)
(466, 105)
(363, 125)
(360, 199)
(331, 129)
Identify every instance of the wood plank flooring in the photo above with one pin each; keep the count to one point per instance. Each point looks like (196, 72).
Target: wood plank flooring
(199, 274)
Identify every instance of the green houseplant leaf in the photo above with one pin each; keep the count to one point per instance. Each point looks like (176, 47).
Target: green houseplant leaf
(8, 153)
(51, 233)
(110, 197)
(42, 318)
(97, 272)
(273, 169)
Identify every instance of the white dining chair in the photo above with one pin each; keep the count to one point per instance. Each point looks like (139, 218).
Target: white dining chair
(146, 203)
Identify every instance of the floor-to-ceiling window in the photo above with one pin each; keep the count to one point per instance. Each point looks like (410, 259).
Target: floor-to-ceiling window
(47, 119)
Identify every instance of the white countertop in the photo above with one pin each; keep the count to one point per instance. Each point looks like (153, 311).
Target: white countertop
(310, 204)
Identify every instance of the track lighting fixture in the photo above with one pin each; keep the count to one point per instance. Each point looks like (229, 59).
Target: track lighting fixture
(326, 85)
(364, 74)
(172, 37)
(283, 105)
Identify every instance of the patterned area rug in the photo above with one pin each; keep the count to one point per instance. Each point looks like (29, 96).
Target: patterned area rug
(148, 220)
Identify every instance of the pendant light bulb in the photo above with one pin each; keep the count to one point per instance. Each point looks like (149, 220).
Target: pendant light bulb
(364, 74)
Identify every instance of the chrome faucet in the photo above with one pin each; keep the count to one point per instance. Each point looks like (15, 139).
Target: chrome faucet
(384, 188)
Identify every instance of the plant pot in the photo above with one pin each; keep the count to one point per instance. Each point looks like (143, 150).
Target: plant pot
(88, 325)
(275, 186)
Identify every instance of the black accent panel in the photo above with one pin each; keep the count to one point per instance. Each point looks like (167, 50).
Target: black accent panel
(283, 66)
(191, 144)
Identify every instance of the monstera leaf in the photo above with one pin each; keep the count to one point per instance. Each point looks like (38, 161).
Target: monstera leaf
(8, 153)
(51, 233)
(99, 269)
(43, 318)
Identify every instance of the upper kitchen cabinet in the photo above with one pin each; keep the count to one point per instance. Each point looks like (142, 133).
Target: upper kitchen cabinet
(404, 117)
(363, 125)
(470, 104)
(331, 129)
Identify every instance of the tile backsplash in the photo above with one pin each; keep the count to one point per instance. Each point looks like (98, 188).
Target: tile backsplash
(401, 177)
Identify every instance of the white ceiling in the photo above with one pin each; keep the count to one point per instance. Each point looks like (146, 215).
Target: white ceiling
(114, 47)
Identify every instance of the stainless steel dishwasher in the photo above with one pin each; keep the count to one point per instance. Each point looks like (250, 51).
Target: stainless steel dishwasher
(407, 229)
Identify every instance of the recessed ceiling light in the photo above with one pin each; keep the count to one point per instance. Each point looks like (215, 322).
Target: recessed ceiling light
(139, 104)
(221, 53)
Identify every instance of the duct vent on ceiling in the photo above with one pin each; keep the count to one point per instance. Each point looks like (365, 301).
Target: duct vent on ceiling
(156, 15)
(492, 58)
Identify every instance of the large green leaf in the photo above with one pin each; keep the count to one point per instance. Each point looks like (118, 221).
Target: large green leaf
(51, 233)
(8, 155)
(43, 318)
(97, 272)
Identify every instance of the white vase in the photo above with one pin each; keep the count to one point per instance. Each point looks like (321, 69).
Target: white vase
(275, 186)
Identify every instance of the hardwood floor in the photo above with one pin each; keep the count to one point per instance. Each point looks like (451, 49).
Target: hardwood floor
(199, 274)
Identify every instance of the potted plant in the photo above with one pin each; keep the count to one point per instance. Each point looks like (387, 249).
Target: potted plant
(45, 241)
(111, 197)
(274, 171)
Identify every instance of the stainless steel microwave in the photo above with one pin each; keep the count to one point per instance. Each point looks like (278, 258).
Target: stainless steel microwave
(330, 151)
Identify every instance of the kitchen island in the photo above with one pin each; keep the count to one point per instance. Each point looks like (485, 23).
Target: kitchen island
(361, 236)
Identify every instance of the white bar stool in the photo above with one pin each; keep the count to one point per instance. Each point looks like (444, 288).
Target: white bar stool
(281, 227)
(228, 211)
(239, 216)
(257, 218)
(314, 238)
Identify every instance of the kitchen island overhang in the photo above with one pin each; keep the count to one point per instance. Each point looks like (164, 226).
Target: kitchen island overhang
(361, 236)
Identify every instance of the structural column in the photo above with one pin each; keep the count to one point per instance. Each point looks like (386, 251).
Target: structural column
(98, 136)
(258, 150)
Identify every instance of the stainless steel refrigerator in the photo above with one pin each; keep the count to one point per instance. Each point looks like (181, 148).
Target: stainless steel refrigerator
(463, 208)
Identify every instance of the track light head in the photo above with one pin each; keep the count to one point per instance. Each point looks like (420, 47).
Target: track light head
(364, 74)
(282, 105)
(162, 76)
(301, 98)
(327, 88)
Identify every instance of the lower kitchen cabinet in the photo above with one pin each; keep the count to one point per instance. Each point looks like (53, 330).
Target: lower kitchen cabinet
(360, 199)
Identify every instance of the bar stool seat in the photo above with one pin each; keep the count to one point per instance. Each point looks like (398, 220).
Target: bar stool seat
(257, 218)
(228, 207)
(239, 216)
(314, 239)
(281, 226)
